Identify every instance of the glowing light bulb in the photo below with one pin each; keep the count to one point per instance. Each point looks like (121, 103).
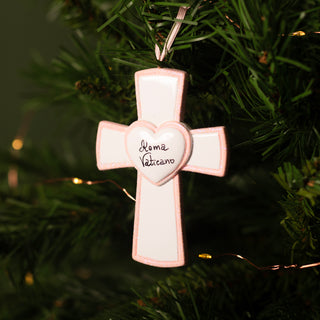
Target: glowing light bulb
(205, 256)
(77, 181)
(299, 33)
(17, 144)
(28, 278)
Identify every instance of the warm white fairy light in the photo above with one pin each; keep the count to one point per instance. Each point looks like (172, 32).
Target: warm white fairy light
(17, 144)
(77, 181)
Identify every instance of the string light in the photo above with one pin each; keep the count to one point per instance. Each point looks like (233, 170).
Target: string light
(205, 256)
(79, 181)
(17, 144)
(274, 267)
(298, 33)
(28, 278)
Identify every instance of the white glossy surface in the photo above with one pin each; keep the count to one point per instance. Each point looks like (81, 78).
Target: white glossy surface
(209, 155)
(206, 150)
(158, 96)
(110, 149)
(156, 155)
(157, 238)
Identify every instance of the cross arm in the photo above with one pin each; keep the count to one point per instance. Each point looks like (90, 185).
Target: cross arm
(209, 153)
(110, 146)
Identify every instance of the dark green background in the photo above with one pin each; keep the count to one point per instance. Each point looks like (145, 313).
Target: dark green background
(26, 29)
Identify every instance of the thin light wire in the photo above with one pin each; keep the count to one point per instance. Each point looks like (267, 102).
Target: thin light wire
(207, 256)
(76, 180)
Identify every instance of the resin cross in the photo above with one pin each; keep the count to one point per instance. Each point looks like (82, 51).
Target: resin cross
(158, 145)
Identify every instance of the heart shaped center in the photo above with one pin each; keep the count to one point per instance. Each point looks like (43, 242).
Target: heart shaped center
(158, 153)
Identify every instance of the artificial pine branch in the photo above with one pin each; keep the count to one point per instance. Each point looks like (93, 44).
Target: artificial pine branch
(301, 205)
(228, 291)
(247, 71)
(44, 220)
(84, 15)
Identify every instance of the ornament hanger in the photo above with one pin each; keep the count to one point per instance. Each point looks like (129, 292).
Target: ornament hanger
(172, 34)
(176, 27)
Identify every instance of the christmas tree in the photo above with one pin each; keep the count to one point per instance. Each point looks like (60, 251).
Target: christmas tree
(253, 236)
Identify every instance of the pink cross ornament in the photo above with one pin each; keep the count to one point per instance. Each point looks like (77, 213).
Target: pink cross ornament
(158, 145)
